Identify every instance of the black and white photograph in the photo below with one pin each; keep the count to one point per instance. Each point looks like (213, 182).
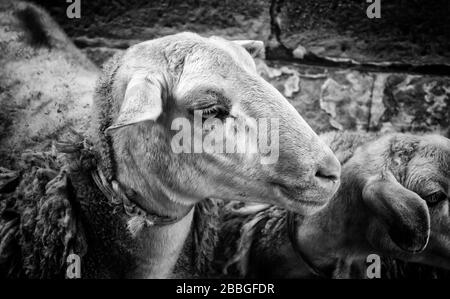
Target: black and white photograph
(226, 145)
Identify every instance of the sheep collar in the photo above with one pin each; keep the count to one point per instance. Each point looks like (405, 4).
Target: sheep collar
(116, 194)
(292, 225)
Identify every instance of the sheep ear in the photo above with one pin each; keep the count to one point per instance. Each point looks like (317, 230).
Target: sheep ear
(142, 102)
(403, 212)
(254, 47)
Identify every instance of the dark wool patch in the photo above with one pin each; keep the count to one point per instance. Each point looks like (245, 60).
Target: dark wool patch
(103, 101)
(197, 258)
(35, 33)
(57, 209)
(241, 233)
(39, 222)
(205, 235)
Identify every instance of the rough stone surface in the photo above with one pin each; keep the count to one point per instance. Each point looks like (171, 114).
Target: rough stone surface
(141, 19)
(411, 32)
(331, 99)
(408, 31)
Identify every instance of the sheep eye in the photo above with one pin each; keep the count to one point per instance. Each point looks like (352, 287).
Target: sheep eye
(436, 197)
(217, 111)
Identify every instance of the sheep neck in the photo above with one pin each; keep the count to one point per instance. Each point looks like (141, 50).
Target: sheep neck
(115, 193)
(160, 246)
(292, 223)
(331, 242)
(159, 243)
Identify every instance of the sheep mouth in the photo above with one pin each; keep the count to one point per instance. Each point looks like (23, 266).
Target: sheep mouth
(287, 194)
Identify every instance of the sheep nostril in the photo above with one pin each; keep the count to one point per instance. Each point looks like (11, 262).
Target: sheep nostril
(331, 177)
(329, 170)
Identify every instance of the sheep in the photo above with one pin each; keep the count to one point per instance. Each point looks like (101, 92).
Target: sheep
(46, 83)
(393, 201)
(144, 90)
(140, 199)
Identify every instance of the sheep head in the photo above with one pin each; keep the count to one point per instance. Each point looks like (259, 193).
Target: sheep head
(404, 182)
(190, 84)
(428, 175)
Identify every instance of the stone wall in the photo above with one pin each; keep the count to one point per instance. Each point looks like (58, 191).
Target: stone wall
(345, 99)
(142, 19)
(413, 31)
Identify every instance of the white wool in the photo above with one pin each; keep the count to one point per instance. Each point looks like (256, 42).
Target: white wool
(136, 224)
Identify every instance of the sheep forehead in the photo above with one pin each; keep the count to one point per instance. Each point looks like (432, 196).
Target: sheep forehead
(196, 62)
(237, 52)
(218, 56)
(430, 167)
(420, 163)
(220, 65)
(192, 51)
(398, 150)
(435, 150)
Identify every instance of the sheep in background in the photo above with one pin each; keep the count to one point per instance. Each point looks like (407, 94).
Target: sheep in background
(46, 83)
(392, 186)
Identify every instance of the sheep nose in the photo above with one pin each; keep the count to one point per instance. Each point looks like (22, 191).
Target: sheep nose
(329, 171)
